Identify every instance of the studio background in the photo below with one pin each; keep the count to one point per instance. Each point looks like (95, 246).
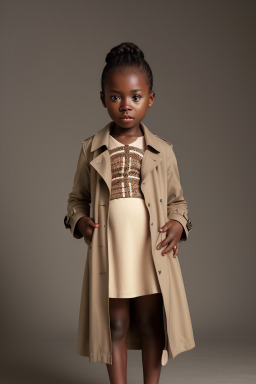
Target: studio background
(202, 54)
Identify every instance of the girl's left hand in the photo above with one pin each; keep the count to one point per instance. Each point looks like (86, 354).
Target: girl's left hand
(173, 230)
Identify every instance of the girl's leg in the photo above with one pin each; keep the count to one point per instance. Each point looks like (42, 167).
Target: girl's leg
(119, 323)
(149, 317)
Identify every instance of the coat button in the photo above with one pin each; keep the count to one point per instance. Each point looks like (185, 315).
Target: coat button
(151, 223)
(143, 182)
(159, 272)
(189, 225)
(149, 204)
(161, 200)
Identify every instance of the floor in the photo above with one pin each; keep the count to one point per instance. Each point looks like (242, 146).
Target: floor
(54, 361)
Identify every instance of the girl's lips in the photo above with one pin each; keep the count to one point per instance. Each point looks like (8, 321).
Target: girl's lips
(126, 118)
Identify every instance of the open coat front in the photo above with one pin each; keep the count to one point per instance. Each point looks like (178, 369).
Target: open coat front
(163, 194)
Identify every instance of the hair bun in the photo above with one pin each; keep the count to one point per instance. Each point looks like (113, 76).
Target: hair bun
(124, 49)
(123, 56)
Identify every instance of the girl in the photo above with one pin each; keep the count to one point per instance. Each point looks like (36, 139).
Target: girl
(126, 195)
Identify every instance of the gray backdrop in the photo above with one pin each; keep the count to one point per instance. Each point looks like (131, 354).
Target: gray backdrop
(202, 54)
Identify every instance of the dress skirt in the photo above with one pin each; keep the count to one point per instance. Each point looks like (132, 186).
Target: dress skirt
(131, 267)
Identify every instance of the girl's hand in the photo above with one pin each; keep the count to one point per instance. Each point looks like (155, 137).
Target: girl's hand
(173, 230)
(86, 226)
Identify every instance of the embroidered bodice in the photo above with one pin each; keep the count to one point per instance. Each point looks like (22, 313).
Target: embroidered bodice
(126, 160)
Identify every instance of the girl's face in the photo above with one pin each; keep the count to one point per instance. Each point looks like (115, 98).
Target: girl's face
(127, 93)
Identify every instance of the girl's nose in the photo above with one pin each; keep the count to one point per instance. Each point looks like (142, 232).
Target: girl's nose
(125, 105)
(125, 108)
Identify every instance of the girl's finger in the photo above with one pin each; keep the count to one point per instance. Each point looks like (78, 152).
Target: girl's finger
(168, 248)
(175, 251)
(165, 242)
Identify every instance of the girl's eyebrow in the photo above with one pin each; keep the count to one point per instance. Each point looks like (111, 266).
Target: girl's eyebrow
(133, 90)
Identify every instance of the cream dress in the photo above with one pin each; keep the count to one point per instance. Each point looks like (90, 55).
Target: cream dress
(131, 267)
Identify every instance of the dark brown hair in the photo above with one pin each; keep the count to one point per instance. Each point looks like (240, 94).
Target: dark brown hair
(125, 55)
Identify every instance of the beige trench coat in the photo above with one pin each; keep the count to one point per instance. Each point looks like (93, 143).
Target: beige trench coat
(163, 194)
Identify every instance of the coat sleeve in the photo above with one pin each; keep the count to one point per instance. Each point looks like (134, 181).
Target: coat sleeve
(176, 204)
(79, 198)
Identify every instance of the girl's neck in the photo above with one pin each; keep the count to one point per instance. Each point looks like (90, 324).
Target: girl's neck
(126, 132)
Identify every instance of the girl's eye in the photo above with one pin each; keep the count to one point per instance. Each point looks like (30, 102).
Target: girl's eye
(137, 97)
(113, 97)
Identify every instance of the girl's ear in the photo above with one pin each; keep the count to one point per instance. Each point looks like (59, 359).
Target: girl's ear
(102, 97)
(151, 99)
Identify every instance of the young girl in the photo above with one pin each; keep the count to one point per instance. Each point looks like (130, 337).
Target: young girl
(127, 203)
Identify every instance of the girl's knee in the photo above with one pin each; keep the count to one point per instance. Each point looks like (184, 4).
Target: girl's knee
(150, 326)
(119, 328)
(147, 328)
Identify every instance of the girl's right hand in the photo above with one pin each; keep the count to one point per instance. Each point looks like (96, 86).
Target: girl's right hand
(86, 226)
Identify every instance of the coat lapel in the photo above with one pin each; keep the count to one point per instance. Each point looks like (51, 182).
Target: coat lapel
(101, 161)
(150, 161)
(102, 165)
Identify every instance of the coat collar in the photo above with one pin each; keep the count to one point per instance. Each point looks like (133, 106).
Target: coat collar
(102, 164)
(102, 138)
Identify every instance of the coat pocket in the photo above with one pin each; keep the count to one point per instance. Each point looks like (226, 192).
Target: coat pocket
(103, 252)
(102, 228)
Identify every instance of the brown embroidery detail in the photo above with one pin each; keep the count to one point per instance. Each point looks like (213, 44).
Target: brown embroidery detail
(125, 167)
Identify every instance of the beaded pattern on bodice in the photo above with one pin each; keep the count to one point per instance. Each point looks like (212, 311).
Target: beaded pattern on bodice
(125, 167)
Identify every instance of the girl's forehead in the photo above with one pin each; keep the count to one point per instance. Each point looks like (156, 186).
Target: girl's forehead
(126, 78)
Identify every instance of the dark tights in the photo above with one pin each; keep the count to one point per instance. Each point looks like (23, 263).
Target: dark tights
(149, 319)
